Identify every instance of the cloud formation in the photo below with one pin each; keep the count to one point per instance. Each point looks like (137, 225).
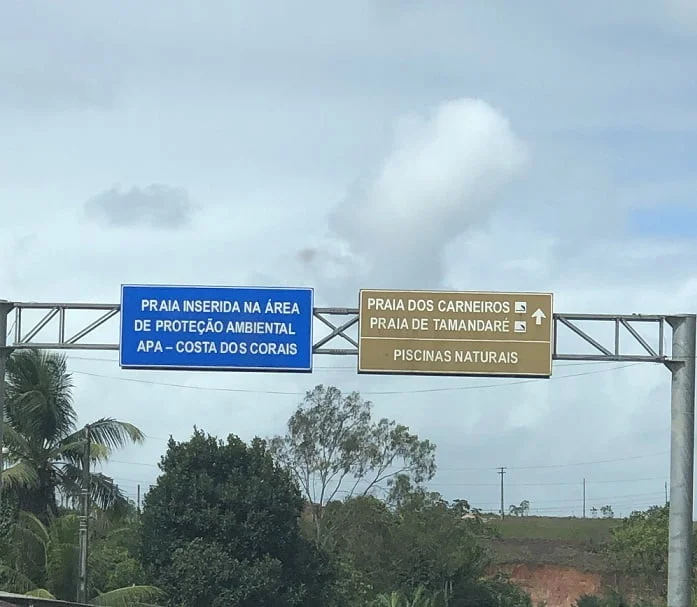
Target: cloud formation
(444, 174)
(156, 206)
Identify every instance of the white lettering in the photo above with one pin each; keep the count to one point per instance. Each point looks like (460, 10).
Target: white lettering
(149, 345)
(273, 349)
(211, 307)
(252, 307)
(189, 326)
(383, 304)
(233, 347)
(281, 307)
(247, 326)
(471, 324)
(425, 356)
(474, 307)
(142, 325)
(486, 357)
(196, 347)
(420, 305)
(164, 305)
(389, 324)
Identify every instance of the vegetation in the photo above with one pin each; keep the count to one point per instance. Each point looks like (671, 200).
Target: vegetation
(335, 513)
(46, 449)
(334, 449)
(521, 510)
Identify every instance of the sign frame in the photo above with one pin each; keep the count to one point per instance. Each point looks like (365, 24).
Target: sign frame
(309, 339)
(469, 294)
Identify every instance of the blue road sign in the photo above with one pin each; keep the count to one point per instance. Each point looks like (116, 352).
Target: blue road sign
(216, 328)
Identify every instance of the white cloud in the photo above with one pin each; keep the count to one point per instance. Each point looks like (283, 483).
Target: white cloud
(422, 146)
(444, 174)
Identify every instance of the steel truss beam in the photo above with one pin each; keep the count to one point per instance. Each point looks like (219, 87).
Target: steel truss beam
(339, 321)
(626, 337)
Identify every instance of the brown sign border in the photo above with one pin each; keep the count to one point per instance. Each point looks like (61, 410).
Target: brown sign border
(459, 373)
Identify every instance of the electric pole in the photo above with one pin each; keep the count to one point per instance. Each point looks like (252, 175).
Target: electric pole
(502, 471)
(5, 308)
(584, 498)
(84, 520)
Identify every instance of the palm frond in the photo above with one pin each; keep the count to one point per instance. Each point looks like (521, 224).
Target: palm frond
(115, 434)
(32, 523)
(130, 596)
(30, 540)
(17, 444)
(106, 432)
(74, 452)
(104, 492)
(15, 581)
(39, 394)
(40, 593)
(20, 475)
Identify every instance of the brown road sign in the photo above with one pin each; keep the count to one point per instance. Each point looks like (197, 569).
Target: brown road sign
(455, 333)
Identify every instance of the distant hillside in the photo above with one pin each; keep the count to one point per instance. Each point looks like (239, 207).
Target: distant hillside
(569, 542)
(555, 559)
(555, 528)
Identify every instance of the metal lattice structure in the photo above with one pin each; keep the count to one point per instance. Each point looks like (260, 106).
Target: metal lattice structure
(623, 333)
(624, 338)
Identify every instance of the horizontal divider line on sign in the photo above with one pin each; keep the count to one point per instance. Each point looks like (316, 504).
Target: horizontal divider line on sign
(457, 339)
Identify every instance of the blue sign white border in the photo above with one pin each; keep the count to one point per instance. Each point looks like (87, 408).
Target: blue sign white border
(156, 367)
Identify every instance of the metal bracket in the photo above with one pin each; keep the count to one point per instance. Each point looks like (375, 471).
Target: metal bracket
(623, 342)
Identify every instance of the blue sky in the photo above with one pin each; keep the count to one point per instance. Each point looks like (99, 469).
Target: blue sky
(497, 145)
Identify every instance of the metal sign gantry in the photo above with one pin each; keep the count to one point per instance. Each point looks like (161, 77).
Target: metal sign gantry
(679, 359)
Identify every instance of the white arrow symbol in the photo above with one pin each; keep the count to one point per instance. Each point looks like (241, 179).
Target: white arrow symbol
(538, 315)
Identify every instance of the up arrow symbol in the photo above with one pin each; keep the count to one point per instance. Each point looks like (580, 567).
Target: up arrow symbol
(538, 315)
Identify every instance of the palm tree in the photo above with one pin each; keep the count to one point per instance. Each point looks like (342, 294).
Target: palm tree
(46, 449)
(41, 561)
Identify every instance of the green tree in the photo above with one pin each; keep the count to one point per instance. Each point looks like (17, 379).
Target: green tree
(42, 561)
(221, 528)
(334, 448)
(417, 540)
(46, 449)
(639, 546)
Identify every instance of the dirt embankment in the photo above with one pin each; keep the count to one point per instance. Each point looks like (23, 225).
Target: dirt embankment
(553, 585)
(558, 572)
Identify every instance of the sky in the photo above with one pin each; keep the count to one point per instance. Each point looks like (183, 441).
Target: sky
(452, 144)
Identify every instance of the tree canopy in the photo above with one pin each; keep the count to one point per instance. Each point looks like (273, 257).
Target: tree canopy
(220, 528)
(46, 449)
(335, 449)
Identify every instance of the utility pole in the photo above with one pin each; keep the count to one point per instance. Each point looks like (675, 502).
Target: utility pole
(682, 436)
(502, 471)
(84, 520)
(584, 498)
(5, 308)
(665, 486)
(138, 500)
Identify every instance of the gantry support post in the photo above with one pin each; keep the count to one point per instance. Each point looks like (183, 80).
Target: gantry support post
(682, 455)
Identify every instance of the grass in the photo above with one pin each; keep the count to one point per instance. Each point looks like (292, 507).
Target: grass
(556, 541)
(555, 528)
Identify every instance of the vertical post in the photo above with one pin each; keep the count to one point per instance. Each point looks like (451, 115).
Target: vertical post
(682, 433)
(584, 498)
(5, 308)
(84, 520)
(502, 471)
(138, 501)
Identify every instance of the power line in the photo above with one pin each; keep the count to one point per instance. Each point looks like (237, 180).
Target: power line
(560, 484)
(373, 393)
(339, 367)
(541, 467)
